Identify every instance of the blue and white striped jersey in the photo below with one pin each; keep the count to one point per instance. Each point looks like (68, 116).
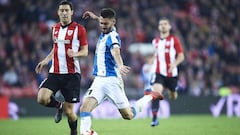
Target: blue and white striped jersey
(104, 63)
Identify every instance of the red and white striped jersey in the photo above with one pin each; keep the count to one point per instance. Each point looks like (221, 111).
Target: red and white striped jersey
(166, 51)
(71, 36)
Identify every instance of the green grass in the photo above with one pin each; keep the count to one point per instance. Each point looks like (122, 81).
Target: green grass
(175, 125)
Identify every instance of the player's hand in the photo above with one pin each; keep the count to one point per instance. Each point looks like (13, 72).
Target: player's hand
(70, 53)
(90, 14)
(124, 70)
(171, 67)
(40, 66)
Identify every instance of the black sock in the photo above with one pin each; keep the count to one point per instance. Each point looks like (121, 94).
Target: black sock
(155, 108)
(72, 125)
(53, 102)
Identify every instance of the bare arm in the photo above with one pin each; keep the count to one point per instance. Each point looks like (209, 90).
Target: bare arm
(117, 56)
(44, 62)
(83, 52)
(179, 60)
(90, 14)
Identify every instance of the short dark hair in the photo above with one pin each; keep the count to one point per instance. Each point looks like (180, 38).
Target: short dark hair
(65, 2)
(108, 13)
(164, 18)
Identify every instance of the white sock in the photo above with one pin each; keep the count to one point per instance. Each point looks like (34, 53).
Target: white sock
(85, 122)
(142, 102)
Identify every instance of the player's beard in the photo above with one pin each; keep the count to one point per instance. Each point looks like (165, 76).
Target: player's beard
(65, 20)
(106, 30)
(163, 32)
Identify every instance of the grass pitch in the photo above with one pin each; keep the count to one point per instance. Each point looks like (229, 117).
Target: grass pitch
(175, 125)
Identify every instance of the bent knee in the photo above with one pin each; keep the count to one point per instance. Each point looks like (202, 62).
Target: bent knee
(88, 104)
(127, 116)
(43, 96)
(173, 96)
(42, 100)
(69, 113)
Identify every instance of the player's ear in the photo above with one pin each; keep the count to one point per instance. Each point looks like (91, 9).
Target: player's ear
(114, 21)
(170, 26)
(58, 12)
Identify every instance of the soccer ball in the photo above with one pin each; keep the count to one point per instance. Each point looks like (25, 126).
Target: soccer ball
(90, 132)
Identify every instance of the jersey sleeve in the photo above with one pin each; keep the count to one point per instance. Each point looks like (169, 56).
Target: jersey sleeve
(113, 40)
(82, 35)
(178, 45)
(155, 42)
(52, 36)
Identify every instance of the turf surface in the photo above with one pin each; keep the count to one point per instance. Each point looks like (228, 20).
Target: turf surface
(175, 125)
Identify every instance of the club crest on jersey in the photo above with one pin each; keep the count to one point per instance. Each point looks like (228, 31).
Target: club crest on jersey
(70, 32)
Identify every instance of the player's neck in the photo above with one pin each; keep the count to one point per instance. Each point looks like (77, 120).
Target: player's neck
(64, 24)
(164, 35)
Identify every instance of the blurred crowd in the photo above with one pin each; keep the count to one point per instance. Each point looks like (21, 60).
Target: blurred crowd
(208, 30)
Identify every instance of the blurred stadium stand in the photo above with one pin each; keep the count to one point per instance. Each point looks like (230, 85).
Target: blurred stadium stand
(209, 31)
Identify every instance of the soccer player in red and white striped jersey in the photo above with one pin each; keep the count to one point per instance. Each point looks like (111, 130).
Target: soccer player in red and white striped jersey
(168, 55)
(69, 43)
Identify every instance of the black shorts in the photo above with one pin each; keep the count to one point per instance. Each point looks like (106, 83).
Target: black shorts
(68, 84)
(167, 82)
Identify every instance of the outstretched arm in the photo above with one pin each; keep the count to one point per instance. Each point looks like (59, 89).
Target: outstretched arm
(89, 14)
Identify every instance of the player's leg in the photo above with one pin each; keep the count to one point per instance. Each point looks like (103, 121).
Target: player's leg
(44, 97)
(93, 97)
(89, 103)
(156, 93)
(59, 97)
(72, 117)
(71, 92)
(157, 80)
(173, 95)
(128, 113)
(157, 87)
(155, 108)
(171, 84)
(116, 94)
(45, 94)
(71, 97)
(119, 98)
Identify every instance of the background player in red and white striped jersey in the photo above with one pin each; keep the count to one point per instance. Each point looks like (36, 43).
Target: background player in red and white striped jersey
(69, 43)
(168, 55)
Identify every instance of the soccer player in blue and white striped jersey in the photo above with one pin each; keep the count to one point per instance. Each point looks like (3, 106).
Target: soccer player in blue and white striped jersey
(108, 70)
